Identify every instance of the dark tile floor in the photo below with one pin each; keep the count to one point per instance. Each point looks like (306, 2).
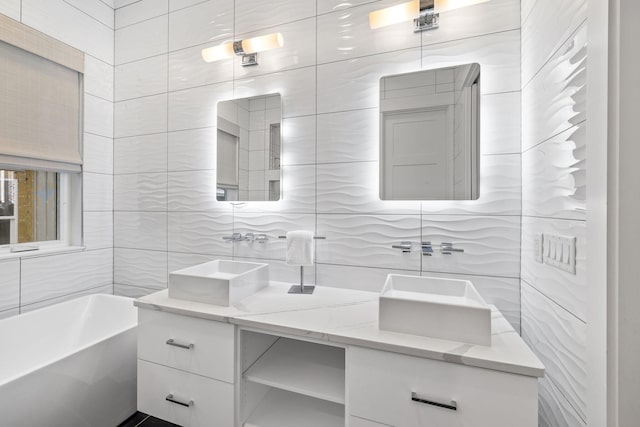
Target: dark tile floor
(143, 420)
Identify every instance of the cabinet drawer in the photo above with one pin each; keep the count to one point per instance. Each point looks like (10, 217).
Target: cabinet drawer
(212, 400)
(381, 386)
(203, 347)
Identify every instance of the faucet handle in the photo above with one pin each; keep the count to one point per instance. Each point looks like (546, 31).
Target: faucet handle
(405, 246)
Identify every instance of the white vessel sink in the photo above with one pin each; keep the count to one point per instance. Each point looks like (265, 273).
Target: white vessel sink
(218, 282)
(434, 307)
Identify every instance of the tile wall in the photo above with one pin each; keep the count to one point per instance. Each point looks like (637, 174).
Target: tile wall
(33, 282)
(166, 215)
(554, 303)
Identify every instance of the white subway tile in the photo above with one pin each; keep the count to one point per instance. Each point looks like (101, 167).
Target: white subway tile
(55, 276)
(192, 150)
(141, 78)
(147, 269)
(252, 16)
(140, 11)
(194, 191)
(196, 108)
(141, 40)
(140, 192)
(354, 188)
(98, 78)
(208, 22)
(97, 230)
(97, 154)
(350, 136)
(98, 116)
(140, 230)
(298, 140)
(97, 192)
(141, 154)
(200, 233)
(96, 9)
(141, 116)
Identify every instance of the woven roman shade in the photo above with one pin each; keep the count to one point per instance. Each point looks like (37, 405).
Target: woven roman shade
(40, 105)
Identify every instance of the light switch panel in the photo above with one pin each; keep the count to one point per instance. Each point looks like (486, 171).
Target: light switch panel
(560, 252)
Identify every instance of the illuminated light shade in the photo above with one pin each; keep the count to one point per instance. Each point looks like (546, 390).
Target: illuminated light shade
(263, 43)
(245, 48)
(216, 53)
(394, 15)
(412, 11)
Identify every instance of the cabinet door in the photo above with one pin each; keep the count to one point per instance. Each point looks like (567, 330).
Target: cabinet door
(200, 346)
(185, 399)
(381, 387)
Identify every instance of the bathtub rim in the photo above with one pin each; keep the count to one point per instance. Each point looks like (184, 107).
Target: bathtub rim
(78, 349)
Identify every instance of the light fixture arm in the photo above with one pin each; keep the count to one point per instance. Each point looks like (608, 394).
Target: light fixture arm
(428, 19)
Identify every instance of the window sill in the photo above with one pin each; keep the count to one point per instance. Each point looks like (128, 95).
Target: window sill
(6, 255)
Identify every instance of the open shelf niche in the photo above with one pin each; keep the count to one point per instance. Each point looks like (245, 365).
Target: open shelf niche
(291, 382)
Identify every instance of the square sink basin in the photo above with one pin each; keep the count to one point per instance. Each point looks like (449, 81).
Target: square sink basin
(218, 282)
(433, 307)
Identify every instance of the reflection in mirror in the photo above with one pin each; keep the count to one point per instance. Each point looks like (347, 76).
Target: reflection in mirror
(430, 134)
(249, 149)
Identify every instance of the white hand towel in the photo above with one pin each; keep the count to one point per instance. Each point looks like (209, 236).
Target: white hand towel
(300, 247)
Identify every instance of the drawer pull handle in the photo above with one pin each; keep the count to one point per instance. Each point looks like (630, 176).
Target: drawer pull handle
(452, 406)
(171, 399)
(175, 344)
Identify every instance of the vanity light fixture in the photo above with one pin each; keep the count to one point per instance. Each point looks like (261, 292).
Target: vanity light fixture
(422, 12)
(248, 49)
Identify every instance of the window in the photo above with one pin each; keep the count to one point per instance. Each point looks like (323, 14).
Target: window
(40, 143)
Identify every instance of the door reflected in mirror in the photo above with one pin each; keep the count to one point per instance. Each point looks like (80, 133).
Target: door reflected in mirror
(249, 149)
(430, 134)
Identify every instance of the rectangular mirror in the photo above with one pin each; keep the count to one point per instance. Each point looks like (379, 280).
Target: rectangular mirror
(430, 134)
(249, 149)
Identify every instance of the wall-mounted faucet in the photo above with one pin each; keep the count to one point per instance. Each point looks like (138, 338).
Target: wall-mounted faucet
(445, 248)
(249, 237)
(405, 246)
(428, 248)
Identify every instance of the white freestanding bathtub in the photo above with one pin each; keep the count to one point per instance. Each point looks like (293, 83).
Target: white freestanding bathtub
(70, 364)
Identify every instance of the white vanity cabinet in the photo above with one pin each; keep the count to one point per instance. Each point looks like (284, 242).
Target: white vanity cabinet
(287, 361)
(404, 391)
(186, 369)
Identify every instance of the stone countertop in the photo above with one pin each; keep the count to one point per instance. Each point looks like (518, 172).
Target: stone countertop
(350, 317)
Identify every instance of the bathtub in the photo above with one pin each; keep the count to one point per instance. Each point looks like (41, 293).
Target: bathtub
(70, 364)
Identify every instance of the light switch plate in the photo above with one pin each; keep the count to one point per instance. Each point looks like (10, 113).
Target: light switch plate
(560, 252)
